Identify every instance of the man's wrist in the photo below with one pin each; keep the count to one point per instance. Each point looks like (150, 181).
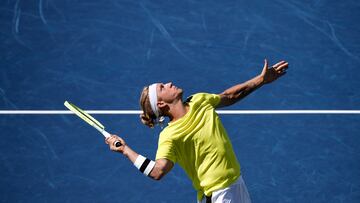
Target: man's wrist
(125, 152)
(261, 80)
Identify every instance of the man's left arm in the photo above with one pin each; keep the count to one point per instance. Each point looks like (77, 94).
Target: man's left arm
(240, 91)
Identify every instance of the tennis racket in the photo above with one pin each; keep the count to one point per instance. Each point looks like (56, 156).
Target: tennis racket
(90, 120)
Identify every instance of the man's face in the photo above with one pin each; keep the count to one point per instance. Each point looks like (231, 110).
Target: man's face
(168, 92)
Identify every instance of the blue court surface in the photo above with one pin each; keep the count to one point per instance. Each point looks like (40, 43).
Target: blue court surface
(100, 54)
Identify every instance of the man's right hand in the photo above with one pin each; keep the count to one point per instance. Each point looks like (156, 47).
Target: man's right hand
(111, 142)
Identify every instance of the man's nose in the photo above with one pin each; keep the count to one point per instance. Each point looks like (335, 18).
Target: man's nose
(169, 84)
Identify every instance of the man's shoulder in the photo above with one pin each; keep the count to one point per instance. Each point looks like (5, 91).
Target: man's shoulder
(206, 98)
(165, 132)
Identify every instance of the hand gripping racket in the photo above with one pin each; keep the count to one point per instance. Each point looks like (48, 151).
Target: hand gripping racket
(90, 120)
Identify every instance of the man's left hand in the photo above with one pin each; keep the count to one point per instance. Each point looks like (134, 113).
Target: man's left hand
(271, 74)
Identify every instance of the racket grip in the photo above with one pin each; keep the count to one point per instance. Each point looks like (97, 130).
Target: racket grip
(106, 134)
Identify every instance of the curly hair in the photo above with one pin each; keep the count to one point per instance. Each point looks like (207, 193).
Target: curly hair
(147, 117)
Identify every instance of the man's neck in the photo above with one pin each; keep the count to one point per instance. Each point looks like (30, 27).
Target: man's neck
(178, 110)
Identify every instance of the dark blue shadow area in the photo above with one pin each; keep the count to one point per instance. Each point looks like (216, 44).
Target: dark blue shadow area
(99, 55)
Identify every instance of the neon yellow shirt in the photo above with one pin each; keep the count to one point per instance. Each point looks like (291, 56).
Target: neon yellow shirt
(199, 143)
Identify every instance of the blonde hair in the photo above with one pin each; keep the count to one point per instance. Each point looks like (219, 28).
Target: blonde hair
(147, 116)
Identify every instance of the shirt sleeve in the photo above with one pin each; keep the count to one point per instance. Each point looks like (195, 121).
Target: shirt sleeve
(166, 149)
(213, 99)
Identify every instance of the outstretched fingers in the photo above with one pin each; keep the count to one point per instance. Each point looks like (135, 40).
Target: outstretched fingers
(279, 63)
(281, 66)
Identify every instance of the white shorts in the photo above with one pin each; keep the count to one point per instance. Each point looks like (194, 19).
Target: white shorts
(235, 193)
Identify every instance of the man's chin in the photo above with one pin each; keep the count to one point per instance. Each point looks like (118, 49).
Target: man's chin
(180, 92)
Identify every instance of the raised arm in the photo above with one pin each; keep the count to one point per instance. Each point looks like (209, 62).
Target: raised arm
(158, 169)
(238, 92)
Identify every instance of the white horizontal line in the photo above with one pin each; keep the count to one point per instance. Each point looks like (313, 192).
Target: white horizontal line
(128, 112)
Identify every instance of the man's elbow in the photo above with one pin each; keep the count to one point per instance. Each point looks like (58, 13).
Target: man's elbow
(226, 99)
(157, 174)
(162, 167)
(157, 178)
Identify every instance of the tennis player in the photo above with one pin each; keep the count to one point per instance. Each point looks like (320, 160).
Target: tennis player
(195, 137)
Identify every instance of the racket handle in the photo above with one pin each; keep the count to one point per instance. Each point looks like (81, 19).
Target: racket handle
(106, 134)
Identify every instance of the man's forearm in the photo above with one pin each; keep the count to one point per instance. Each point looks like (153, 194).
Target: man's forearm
(160, 168)
(133, 157)
(130, 154)
(153, 169)
(238, 92)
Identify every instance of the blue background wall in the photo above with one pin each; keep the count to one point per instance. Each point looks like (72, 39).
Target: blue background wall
(99, 55)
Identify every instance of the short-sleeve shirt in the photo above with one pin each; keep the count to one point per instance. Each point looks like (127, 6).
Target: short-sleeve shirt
(199, 143)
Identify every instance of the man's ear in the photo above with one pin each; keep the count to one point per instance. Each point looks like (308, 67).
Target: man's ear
(163, 107)
(161, 104)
